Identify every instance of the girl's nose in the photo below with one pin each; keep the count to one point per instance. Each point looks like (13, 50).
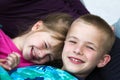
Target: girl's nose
(42, 53)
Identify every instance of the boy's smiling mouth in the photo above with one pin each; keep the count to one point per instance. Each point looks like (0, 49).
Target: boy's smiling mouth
(75, 60)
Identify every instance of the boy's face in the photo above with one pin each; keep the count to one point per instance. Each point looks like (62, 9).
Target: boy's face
(83, 49)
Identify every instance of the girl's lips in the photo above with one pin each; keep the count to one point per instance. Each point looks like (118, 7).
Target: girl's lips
(39, 60)
(33, 54)
(75, 60)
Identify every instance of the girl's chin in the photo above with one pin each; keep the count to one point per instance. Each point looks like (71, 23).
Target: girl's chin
(27, 57)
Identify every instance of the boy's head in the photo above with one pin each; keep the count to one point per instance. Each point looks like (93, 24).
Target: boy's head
(87, 45)
(44, 42)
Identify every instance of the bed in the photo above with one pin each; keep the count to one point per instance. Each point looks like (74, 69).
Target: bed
(21, 13)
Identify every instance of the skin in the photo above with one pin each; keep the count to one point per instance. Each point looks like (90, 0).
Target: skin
(83, 50)
(2, 61)
(36, 46)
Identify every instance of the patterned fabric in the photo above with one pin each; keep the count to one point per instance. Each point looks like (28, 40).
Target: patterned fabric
(36, 73)
(117, 28)
(4, 75)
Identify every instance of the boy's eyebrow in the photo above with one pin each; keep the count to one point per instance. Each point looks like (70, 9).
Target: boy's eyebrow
(91, 44)
(72, 37)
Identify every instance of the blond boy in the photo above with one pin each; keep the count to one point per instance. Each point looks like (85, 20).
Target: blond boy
(87, 45)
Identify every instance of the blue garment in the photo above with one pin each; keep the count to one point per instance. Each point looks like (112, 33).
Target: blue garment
(117, 28)
(36, 72)
(4, 75)
(0, 26)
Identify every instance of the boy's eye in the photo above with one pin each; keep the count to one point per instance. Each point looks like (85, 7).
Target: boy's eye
(71, 41)
(90, 47)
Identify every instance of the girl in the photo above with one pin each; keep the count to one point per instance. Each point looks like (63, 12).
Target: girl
(42, 43)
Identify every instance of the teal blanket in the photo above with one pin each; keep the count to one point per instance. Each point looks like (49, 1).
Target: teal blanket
(36, 73)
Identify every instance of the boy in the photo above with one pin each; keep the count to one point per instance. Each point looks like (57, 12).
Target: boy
(87, 45)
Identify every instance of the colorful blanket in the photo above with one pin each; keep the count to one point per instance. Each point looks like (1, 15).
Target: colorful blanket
(36, 73)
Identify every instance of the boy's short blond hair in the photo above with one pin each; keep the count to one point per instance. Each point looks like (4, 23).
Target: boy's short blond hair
(102, 26)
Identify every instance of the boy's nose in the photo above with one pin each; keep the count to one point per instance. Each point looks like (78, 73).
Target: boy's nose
(78, 50)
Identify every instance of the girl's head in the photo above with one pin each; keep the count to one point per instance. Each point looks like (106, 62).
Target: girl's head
(44, 41)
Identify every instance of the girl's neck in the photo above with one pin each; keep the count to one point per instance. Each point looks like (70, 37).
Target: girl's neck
(19, 41)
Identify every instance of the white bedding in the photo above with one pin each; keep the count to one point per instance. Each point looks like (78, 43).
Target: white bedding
(107, 9)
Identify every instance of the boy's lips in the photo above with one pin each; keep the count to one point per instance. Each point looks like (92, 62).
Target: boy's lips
(75, 60)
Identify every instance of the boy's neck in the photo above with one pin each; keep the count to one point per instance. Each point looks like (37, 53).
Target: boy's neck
(83, 76)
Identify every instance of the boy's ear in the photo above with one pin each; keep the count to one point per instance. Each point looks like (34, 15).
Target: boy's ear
(37, 26)
(106, 58)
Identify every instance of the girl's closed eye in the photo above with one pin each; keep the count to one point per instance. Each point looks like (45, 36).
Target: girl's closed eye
(43, 45)
(46, 45)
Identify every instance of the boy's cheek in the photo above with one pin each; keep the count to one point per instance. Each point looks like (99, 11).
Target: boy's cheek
(68, 47)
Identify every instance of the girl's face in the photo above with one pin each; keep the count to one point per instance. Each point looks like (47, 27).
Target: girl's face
(82, 51)
(38, 47)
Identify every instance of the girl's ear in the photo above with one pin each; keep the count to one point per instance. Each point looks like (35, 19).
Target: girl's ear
(37, 26)
(106, 58)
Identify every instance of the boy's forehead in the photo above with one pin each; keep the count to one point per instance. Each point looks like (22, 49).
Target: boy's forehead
(82, 25)
(79, 26)
(85, 31)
